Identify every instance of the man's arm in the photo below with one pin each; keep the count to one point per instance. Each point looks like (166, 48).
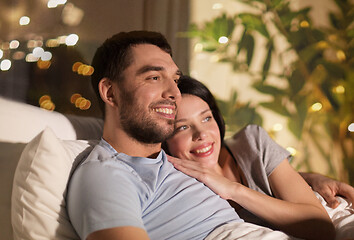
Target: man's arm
(119, 233)
(329, 188)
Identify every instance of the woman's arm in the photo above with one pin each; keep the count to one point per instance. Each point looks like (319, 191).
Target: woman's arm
(296, 211)
(329, 188)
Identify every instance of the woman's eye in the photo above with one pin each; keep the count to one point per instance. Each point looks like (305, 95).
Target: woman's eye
(181, 128)
(207, 119)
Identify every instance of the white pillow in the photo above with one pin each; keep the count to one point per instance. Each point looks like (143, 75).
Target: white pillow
(38, 206)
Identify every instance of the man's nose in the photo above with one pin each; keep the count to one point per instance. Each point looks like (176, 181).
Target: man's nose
(172, 92)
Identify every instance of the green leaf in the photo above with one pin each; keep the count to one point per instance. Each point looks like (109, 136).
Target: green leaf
(268, 89)
(247, 43)
(254, 22)
(277, 107)
(268, 59)
(296, 82)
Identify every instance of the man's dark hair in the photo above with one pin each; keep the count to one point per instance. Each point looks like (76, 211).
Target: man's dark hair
(114, 56)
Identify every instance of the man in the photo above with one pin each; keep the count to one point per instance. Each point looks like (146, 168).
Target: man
(126, 188)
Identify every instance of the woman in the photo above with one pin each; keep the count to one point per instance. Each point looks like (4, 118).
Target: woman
(250, 170)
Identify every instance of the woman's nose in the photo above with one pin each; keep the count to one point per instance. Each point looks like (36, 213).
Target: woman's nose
(199, 134)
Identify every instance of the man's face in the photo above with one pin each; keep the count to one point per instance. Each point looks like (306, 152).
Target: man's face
(148, 95)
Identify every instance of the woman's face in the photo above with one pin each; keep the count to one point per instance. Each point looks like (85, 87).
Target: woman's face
(197, 135)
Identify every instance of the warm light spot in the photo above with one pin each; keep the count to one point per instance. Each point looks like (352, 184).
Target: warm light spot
(223, 40)
(44, 98)
(78, 101)
(81, 68)
(339, 89)
(304, 24)
(292, 151)
(87, 71)
(277, 127)
(316, 107)
(198, 47)
(24, 20)
(18, 55)
(37, 52)
(46, 56)
(31, 58)
(217, 6)
(76, 66)
(31, 44)
(71, 40)
(351, 127)
(14, 44)
(55, 3)
(5, 45)
(43, 64)
(74, 97)
(1, 53)
(62, 39)
(322, 45)
(86, 106)
(5, 65)
(52, 43)
(341, 55)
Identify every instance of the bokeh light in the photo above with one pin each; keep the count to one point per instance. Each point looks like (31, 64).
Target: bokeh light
(43, 64)
(5, 65)
(351, 127)
(1, 53)
(223, 40)
(71, 40)
(24, 20)
(292, 151)
(14, 44)
(45, 102)
(316, 107)
(46, 56)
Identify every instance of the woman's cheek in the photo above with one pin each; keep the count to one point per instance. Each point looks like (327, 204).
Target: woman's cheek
(178, 147)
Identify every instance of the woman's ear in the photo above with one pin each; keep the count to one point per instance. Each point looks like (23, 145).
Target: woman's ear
(107, 93)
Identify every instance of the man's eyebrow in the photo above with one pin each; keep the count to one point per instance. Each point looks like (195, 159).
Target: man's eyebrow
(149, 68)
(201, 113)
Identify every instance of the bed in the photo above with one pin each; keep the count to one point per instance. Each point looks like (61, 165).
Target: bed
(38, 151)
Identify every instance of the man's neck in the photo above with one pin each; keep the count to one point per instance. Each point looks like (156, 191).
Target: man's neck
(123, 143)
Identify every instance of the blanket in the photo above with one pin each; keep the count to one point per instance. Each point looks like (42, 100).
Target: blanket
(342, 217)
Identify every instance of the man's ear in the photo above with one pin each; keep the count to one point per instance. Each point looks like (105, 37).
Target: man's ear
(107, 93)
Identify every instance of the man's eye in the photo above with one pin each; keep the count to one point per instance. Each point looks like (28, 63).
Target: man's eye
(155, 78)
(177, 81)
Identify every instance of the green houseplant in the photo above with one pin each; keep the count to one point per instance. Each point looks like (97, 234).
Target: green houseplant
(318, 100)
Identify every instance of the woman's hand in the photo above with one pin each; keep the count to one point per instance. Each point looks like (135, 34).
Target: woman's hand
(329, 188)
(211, 177)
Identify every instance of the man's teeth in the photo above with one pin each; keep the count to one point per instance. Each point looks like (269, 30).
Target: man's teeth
(203, 150)
(164, 110)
